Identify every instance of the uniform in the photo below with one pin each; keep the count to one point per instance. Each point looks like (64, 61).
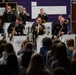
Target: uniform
(43, 16)
(34, 31)
(24, 17)
(9, 17)
(57, 27)
(19, 29)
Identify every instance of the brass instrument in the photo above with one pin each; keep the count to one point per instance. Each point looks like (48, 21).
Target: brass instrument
(60, 31)
(13, 32)
(66, 21)
(43, 21)
(38, 29)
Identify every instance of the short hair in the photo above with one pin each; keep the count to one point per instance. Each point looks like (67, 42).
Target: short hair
(70, 42)
(38, 17)
(19, 18)
(28, 46)
(47, 42)
(23, 43)
(9, 48)
(41, 9)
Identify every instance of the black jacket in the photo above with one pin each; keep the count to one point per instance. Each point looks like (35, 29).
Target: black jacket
(9, 17)
(57, 27)
(34, 31)
(24, 17)
(18, 29)
(43, 17)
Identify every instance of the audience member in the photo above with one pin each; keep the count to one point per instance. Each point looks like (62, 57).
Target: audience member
(71, 47)
(2, 49)
(37, 66)
(61, 57)
(2, 46)
(12, 64)
(8, 51)
(72, 69)
(22, 49)
(50, 53)
(26, 56)
(60, 71)
(46, 46)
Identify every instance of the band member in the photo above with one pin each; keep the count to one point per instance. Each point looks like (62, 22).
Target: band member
(38, 28)
(43, 15)
(55, 22)
(59, 28)
(9, 15)
(24, 15)
(16, 28)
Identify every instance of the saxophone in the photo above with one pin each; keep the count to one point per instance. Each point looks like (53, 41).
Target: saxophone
(38, 29)
(60, 31)
(13, 32)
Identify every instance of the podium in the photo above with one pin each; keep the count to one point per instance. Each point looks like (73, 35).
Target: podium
(17, 41)
(39, 41)
(65, 37)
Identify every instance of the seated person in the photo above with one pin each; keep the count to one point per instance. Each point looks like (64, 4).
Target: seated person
(43, 15)
(38, 28)
(55, 22)
(24, 15)
(59, 28)
(16, 28)
(9, 15)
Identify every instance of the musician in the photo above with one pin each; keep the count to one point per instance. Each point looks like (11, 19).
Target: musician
(9, 15)
(24, 15)
(59, 28)
(18, 27)
(43, 15)
(55, 22)
(38, 28)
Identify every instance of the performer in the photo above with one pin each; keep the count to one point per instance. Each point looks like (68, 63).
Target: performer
(59, 28)
(16, 28)
(9, 15)
(38, 28)
(43, 15)
(24, 15)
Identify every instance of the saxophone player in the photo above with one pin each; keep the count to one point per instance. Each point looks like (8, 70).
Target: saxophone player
(16, 28)
(38, 28)
(59, 28)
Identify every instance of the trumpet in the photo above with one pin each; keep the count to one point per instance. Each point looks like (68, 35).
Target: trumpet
(43, 21)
